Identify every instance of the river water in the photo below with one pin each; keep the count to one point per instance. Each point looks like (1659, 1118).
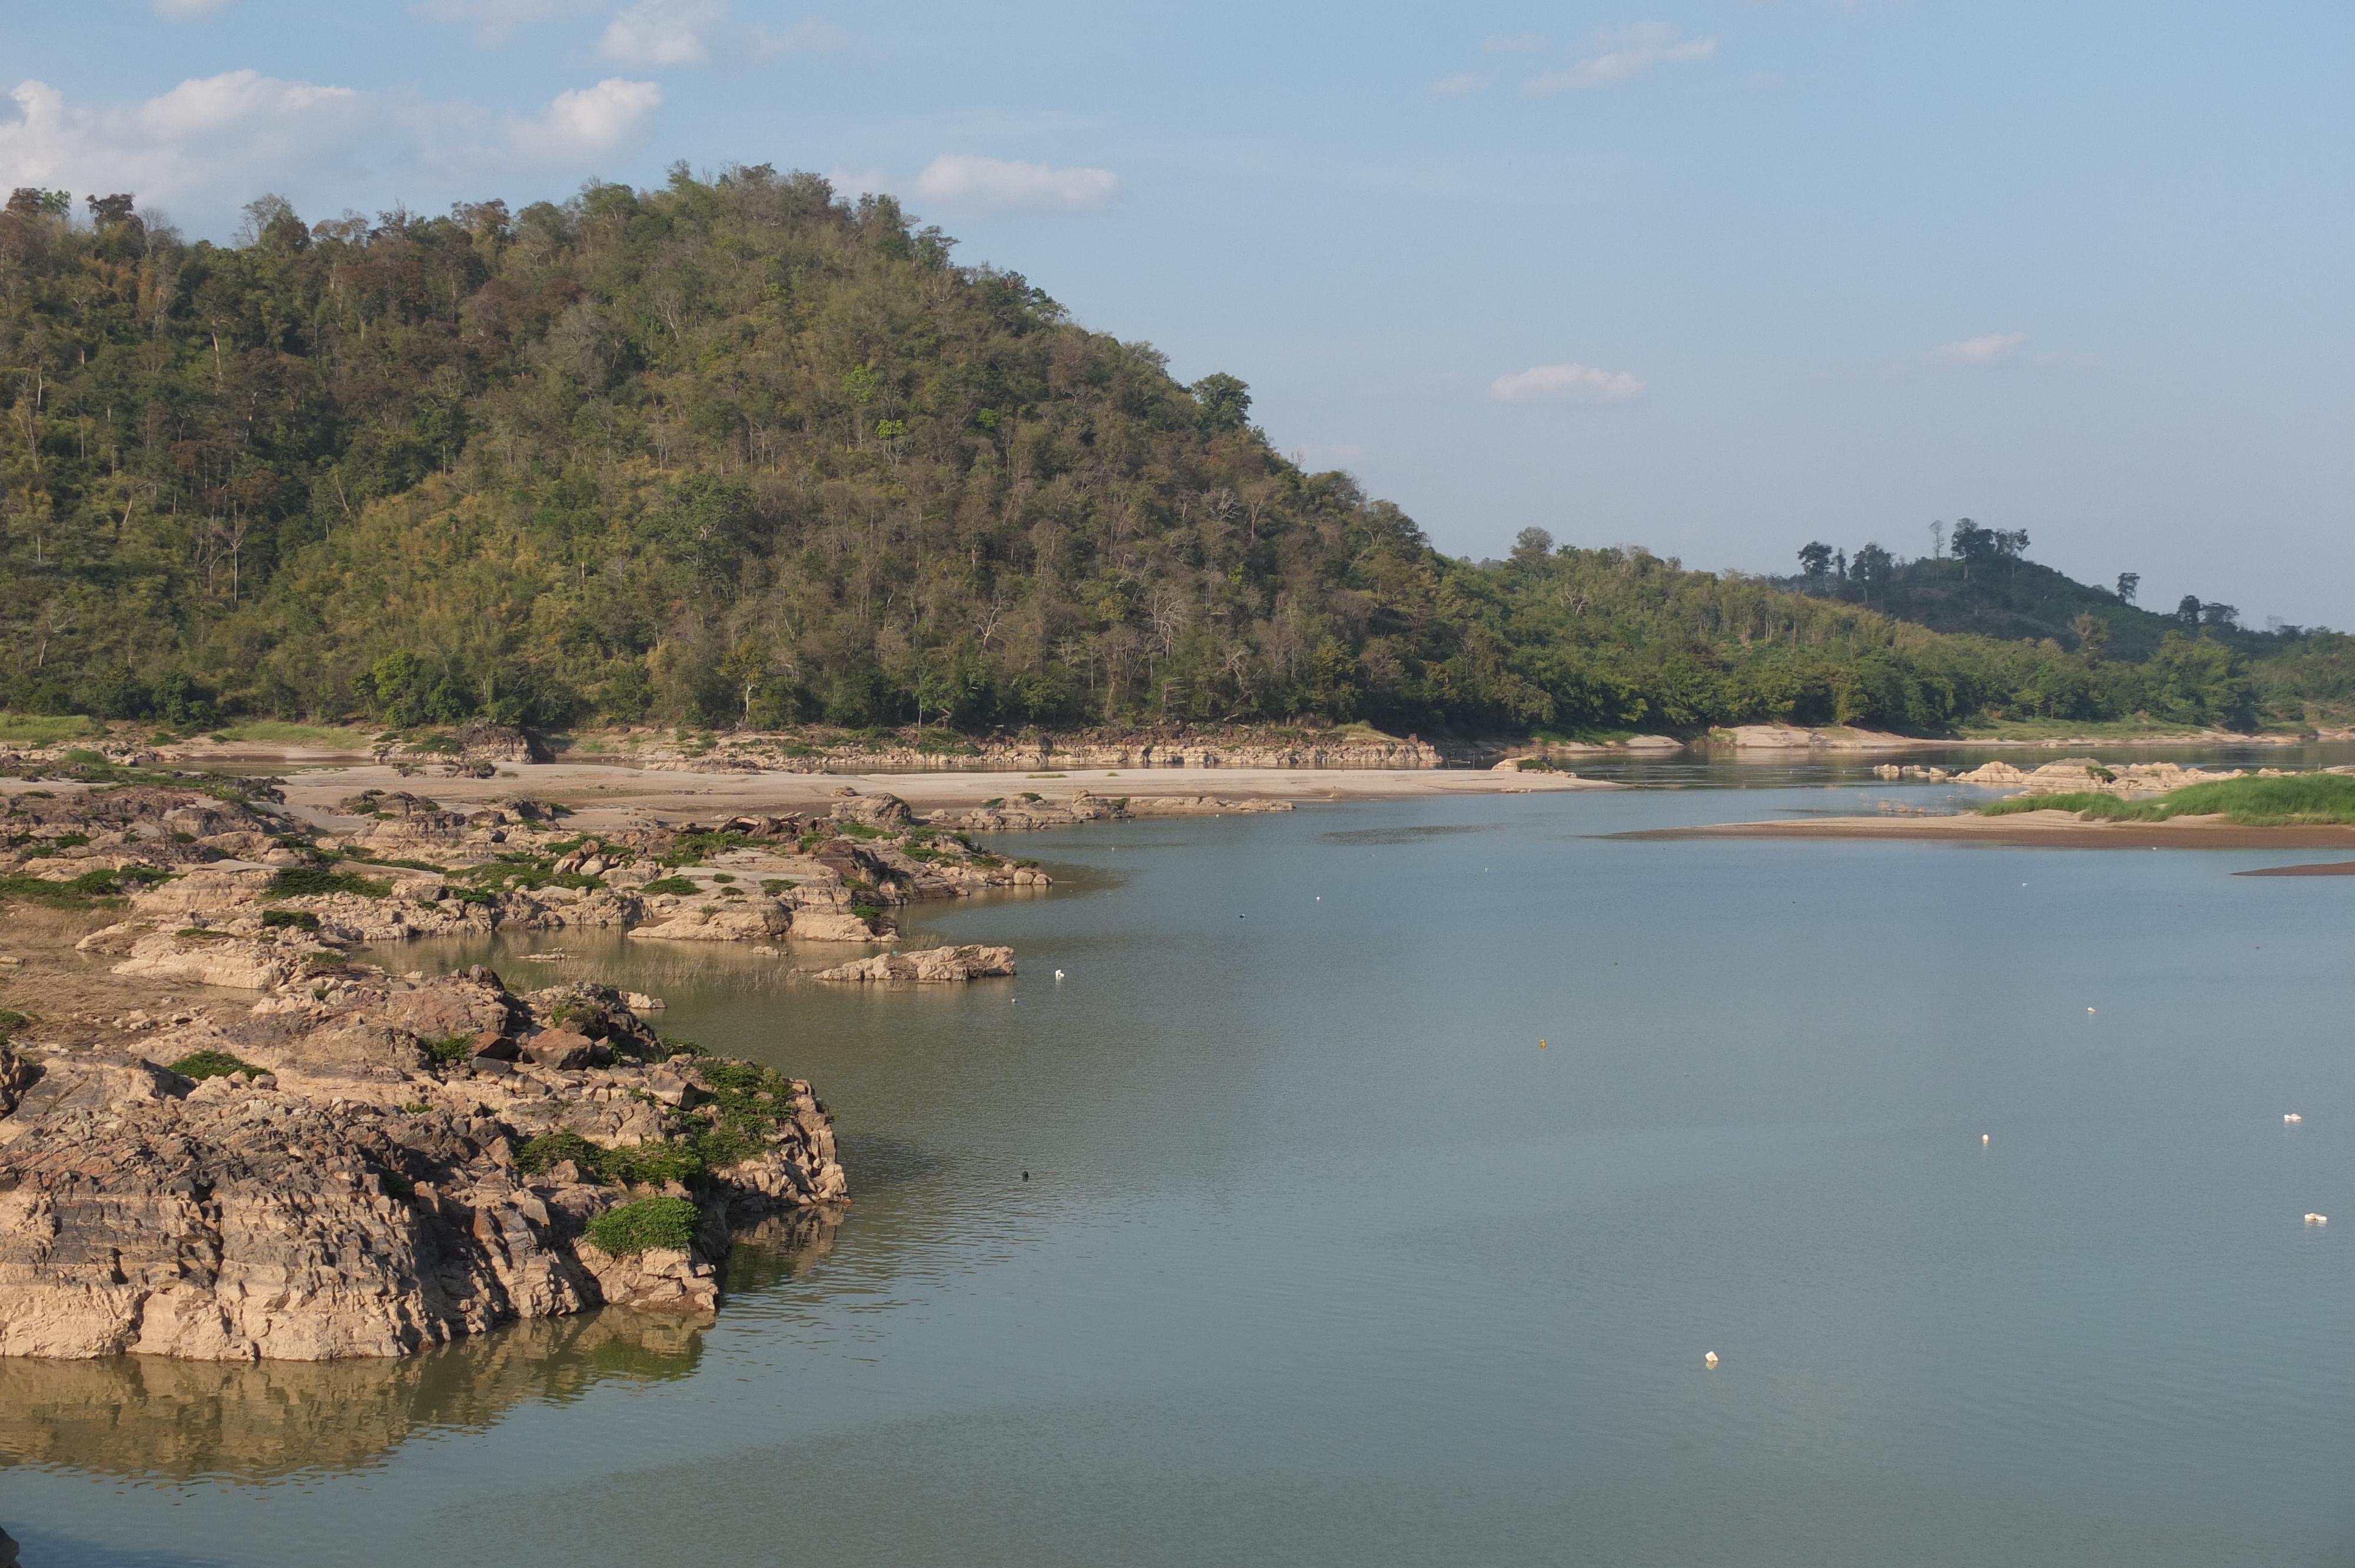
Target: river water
(1390, 1169)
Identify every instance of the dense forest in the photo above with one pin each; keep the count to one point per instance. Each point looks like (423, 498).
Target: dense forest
(742, 452)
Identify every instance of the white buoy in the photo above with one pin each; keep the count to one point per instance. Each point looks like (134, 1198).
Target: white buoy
(1983, 1140)
(1059, 974)
(1710, 1361)
(2292, 1119)
(2318, 1219)
(2089, 1010)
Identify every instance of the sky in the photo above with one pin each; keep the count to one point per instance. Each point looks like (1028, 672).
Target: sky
(1716, 276)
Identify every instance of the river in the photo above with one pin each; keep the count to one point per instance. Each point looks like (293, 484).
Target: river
(1369, 1189)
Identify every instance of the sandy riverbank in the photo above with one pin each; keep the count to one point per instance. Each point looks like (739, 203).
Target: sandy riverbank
(608, 795)
(2048, 828)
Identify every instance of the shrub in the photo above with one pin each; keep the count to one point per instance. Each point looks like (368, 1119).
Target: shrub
(867, 911)
(212, 1065)
(289, 919)
(314, 881)
(684, 886)
(776, 886)
(647, 1225)
(449, 1047)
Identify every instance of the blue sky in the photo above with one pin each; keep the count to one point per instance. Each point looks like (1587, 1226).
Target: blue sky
(1716, 278)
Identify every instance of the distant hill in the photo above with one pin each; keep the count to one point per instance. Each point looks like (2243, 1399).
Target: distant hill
(1984, 585)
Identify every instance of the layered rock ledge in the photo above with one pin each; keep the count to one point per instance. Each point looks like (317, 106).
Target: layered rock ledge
(370, 1166)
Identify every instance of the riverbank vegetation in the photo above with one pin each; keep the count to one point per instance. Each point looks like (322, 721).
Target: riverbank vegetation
(2255, 802)
(738, 453)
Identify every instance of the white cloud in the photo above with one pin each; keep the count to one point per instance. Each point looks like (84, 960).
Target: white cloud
(1520, 44)
(1994, 348)
(495, 21)
(983, 186)
(580, 126)
(212, 143)
(188, 10)
(1467, 82)
(1567, 384)
(1623, 54)
(698, 32)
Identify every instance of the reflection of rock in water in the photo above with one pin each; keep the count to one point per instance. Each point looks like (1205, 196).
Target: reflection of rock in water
(156, 1416)
(779, 1247)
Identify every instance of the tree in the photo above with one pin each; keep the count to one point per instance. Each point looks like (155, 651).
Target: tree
(2127, 583)
(2093, 635)
(1872, 566)
(1816, 560)
(2187, 610)
(1223, 400)
(1532, 546)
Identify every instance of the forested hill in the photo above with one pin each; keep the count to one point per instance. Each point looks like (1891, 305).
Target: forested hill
(742, 452)
(1982, 582)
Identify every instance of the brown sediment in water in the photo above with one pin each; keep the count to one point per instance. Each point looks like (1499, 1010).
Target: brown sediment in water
(2058, 830)
(2330, 868)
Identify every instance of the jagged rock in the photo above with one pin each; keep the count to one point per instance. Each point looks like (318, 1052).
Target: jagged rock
(836, 926)
(885, 811)
(930, 964)
(357, 1200)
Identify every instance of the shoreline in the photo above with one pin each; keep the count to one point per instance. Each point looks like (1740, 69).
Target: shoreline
(606, 796)
(2053, 829)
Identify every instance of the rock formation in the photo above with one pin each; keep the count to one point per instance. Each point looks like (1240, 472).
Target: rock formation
(935, 964)
(373, 1166)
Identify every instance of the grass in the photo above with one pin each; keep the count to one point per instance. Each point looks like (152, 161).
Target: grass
(40, 729)
(2296, 799)
(314, 881)
(449, 1047)
(83, 891)
(647, 1225)
(263, 732)
(213, 1065)
(682, 886)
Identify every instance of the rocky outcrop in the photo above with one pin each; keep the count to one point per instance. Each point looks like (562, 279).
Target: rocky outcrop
(385, 1180)
(927, 964)
(2084, 775)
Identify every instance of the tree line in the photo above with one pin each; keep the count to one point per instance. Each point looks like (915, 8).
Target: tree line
(740, 451)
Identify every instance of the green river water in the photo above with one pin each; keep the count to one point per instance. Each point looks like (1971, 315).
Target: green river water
(1322, 1260)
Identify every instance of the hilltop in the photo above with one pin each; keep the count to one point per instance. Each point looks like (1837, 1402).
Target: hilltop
(739, 454)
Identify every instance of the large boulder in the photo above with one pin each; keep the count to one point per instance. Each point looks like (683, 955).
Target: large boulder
(927, 965)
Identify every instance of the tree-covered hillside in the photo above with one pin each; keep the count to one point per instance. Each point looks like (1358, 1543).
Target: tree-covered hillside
(742, 452)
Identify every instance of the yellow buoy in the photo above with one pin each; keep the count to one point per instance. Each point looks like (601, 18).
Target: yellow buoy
(1540, 1044)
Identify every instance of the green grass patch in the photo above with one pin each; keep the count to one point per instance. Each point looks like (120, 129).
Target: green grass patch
(682, 886)
(269, 732)
(289, 920)
(648, 1225)
(81, 892)
(690, 849)
(41, 729)
(316, 881)
(213, 1065)
(2297, 799)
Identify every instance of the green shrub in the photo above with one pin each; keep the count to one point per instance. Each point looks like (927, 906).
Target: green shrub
(722, 876)
(449, 1047)
(314, 880)
(684, 886)
(777, 886)
(867, 911)
(289, 919)
(647, 1225)
(212, 1065)
(550, 1150)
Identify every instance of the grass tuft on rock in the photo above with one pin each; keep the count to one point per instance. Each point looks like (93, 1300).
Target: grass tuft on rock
(314, 880)
(649, 1224)
(213, 1065)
